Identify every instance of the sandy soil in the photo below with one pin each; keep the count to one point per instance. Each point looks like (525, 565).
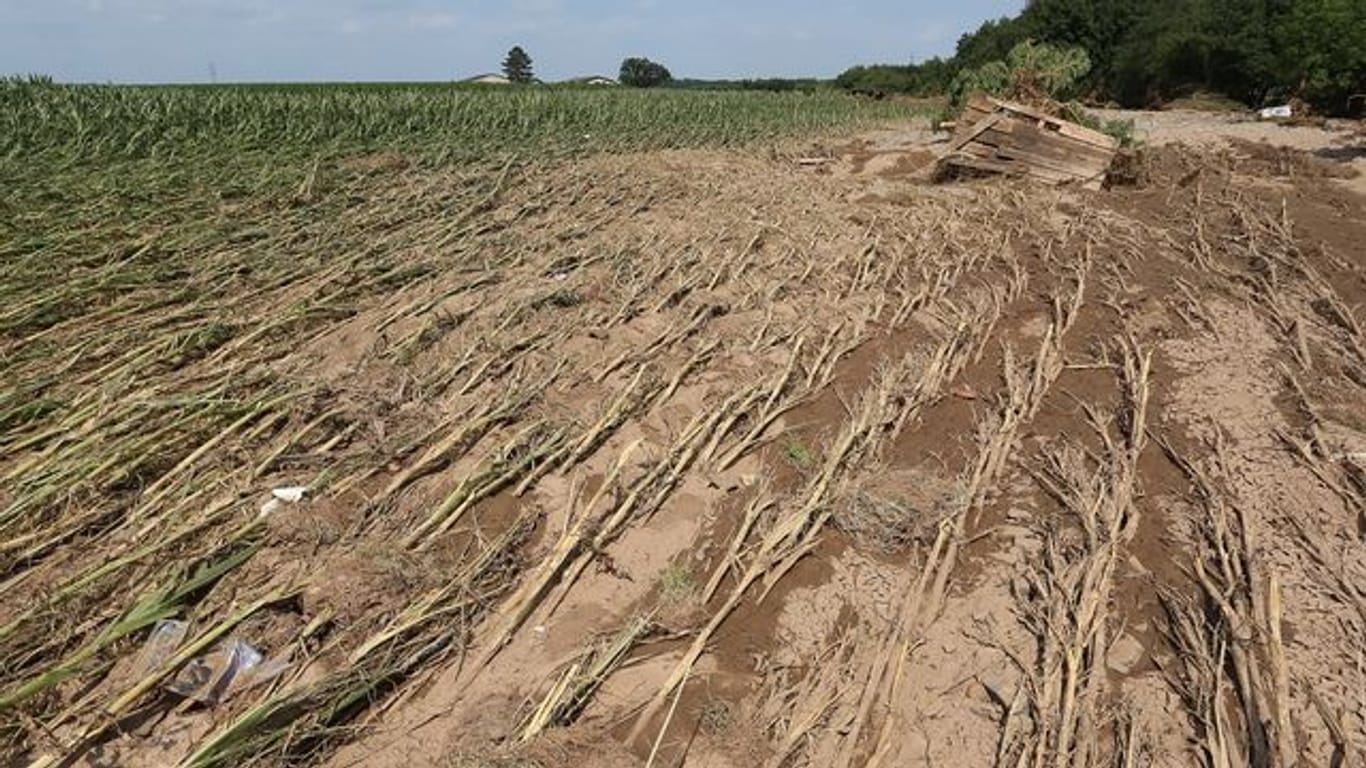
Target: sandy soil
(844, 468)
(1335, 141)
(856, 657)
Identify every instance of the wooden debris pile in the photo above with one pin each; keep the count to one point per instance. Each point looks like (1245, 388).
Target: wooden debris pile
(995, 136)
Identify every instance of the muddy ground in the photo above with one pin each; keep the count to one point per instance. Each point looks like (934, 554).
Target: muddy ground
(738, 458)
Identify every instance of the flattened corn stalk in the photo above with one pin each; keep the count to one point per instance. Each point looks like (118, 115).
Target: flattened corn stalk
(299, 719)
(592, 532)
(1232, 627)
(924, 591)
(211, 275)
(1066, 603)
(884, 409)
(579, 682)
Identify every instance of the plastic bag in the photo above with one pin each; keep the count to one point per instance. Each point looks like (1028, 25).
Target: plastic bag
(291, 494)
(165, 637)
(207, 679)
(260, 674)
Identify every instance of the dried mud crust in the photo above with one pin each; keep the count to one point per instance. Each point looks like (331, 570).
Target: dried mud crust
(1336, 148)
(716, 459)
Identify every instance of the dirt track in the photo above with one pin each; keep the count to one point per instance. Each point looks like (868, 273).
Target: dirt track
(739, 461)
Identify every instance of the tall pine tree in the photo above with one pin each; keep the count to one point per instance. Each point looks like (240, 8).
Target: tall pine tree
(517, 66)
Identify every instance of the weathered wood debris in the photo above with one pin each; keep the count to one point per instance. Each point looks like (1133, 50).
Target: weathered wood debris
(996, 136)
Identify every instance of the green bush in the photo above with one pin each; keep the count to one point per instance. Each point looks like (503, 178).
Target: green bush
(1323, 51)
(1145, 52)
(931, 77)
(1056, 71)
(1029, 70)
(992, 78)
(643, 73)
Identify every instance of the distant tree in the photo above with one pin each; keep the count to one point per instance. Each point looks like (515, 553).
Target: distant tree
(991, 42)
(928, 78)
(517, 66)
(1323, 53)
(643, 73)
(1147, 52)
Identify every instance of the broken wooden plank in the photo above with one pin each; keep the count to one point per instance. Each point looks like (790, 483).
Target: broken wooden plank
(1020, 166)
(1029, 139)
(976, 129)
(977, 157)
(1001, 137)
(981, 164)
(1030, 117)
(1066, 127)
(1084, 162)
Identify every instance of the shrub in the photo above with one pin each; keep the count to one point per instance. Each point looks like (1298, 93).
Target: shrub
(1030, 71)
(643, 73)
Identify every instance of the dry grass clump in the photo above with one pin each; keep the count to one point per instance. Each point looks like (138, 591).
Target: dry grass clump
(1231, 669)
(890, 511)
(1065, 601)
(580, 680)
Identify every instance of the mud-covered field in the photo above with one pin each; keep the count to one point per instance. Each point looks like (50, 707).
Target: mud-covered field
(776, 457)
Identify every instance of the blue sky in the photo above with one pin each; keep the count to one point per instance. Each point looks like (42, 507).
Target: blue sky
(294, 40)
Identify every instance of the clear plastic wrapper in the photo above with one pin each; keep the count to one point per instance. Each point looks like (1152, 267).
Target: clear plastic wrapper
(211, 678)
(164, 639)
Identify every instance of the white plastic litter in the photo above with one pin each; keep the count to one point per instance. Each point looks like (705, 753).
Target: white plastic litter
(164, 638)
(259, 675)
(233, 667)
(270, 507)
(1274, 113)
(291, 494)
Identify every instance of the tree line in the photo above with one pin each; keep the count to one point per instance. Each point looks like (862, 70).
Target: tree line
(1145, 52)
(635, 71)
(640, 72)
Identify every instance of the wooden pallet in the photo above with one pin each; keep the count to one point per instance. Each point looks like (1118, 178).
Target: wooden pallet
(1001, 137)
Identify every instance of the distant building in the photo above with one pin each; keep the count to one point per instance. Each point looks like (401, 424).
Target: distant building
(594, 80)
(491, 78)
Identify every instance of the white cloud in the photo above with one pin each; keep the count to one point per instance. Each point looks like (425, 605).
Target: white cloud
(539, 7)
(433, 20)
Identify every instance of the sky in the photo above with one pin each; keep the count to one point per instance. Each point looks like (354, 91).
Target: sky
(159, 41)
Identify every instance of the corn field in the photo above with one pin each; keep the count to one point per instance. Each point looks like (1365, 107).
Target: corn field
(168, 254)
(47, 123)
(496, 430)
